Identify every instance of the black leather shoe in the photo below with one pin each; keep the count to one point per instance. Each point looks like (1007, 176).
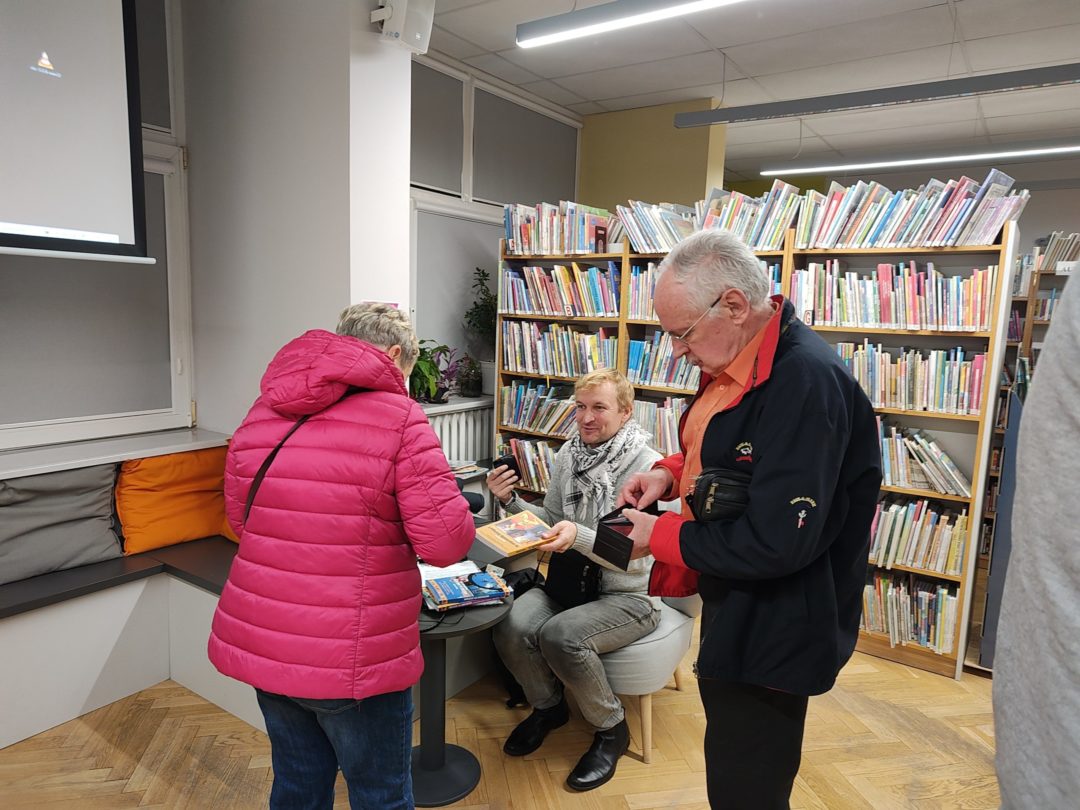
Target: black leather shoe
(598, 764)
(530, 732)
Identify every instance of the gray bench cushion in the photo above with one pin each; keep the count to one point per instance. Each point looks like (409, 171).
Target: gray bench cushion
(57, 520)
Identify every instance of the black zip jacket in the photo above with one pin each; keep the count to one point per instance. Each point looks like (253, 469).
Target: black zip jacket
(783, 584)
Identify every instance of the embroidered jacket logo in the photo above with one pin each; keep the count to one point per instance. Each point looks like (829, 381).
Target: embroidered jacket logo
(744, 451)
(802, 514)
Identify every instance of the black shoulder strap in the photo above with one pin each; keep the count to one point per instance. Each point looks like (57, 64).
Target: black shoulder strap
(257, 480)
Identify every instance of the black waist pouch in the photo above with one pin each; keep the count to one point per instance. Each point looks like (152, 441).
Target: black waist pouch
(719, 494)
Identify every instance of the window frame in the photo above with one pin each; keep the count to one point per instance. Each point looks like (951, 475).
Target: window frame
(166, 160)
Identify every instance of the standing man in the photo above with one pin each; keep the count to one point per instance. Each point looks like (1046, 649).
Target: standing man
(782, 584)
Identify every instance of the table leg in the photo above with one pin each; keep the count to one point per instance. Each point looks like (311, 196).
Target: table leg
(442, 774)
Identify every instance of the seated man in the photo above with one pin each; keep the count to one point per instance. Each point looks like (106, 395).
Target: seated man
(548, 648)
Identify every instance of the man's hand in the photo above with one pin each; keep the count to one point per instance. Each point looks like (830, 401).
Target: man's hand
(501, 482)
(645, 488)
(641, 534)
(562, 536)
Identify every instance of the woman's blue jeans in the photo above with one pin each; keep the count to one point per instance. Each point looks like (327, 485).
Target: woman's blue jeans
(370, 740)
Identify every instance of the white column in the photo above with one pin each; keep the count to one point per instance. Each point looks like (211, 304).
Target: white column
(380, 91)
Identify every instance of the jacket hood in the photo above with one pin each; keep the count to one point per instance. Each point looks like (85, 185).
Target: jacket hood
(312, 372)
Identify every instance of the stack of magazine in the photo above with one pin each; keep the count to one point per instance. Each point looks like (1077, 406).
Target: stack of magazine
(461, 585)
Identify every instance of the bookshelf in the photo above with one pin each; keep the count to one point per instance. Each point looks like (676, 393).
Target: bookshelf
(526, 298)
(966, 436)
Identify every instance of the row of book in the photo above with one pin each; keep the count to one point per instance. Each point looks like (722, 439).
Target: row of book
(938, 380)
(990, 504)
(546, 228)
(863, 215)
(538, 407)
(917, 535)
(535, 458)
(652, 362)
(656, 228)
(936, 214)
(912, 459)
(1016, 326)
(573, 291)
(643, 280)
(911, 611)
(661, 421)
(1044, 304)
(1018, 379)
(556, 349)
(894, 297)
(1059, 248)
(1001, 412)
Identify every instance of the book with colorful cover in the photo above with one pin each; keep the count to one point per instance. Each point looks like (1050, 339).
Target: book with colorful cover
(515, 534)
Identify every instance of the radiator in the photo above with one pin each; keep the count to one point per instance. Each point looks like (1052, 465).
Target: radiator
(465, 435)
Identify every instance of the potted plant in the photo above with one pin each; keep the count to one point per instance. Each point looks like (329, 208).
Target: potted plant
(469, 377)
(434, 373)
(480, 323)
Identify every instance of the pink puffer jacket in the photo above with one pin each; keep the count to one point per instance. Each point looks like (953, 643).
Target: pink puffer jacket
(323, 596)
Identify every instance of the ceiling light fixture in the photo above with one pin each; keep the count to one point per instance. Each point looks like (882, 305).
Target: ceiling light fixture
(1027, 79)
(607, 17)
(976, 157)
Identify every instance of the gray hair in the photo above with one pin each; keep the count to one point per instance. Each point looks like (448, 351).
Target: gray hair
(709, 262)
(380, 325)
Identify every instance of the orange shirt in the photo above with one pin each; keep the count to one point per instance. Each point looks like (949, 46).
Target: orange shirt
(718, 395)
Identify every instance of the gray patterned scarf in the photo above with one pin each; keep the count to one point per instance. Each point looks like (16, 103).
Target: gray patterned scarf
(595, 470)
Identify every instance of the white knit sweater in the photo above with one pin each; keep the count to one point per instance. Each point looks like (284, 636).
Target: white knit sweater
(615, 580)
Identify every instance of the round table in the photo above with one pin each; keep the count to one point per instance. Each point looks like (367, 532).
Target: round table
(444, 773)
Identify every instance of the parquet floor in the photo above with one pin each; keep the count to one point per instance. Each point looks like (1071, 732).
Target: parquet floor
(886, 737)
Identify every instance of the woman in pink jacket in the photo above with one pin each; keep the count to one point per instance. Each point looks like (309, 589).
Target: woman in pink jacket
(320, 610)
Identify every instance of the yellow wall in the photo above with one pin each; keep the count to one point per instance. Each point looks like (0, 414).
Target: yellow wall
(640, 155)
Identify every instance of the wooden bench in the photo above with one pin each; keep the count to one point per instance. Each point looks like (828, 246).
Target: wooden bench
(76, 640)
(80, 639)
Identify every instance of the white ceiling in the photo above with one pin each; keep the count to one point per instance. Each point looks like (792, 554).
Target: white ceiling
(772, 50)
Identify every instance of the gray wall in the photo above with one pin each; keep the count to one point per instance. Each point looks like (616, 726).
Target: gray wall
(447, 251)
(437, 140)
(268, 128)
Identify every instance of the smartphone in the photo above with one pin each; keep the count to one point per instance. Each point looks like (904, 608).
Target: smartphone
(507, 461)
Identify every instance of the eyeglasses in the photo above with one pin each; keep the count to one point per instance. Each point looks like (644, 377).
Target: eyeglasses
(685, 336)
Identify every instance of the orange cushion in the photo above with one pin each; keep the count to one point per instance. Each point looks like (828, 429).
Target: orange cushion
(226, 531)
(166, 500)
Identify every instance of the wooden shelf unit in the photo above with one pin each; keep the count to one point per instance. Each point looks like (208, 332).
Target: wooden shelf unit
(993, 342)
(1001, 254)
(625, 325)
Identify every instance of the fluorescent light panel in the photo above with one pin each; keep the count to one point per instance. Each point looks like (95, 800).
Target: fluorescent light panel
(1027, 79)
(614, 16)
(977, 157)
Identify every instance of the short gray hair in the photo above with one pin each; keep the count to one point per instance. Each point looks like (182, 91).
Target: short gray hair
(380, 325)
(709, 262)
